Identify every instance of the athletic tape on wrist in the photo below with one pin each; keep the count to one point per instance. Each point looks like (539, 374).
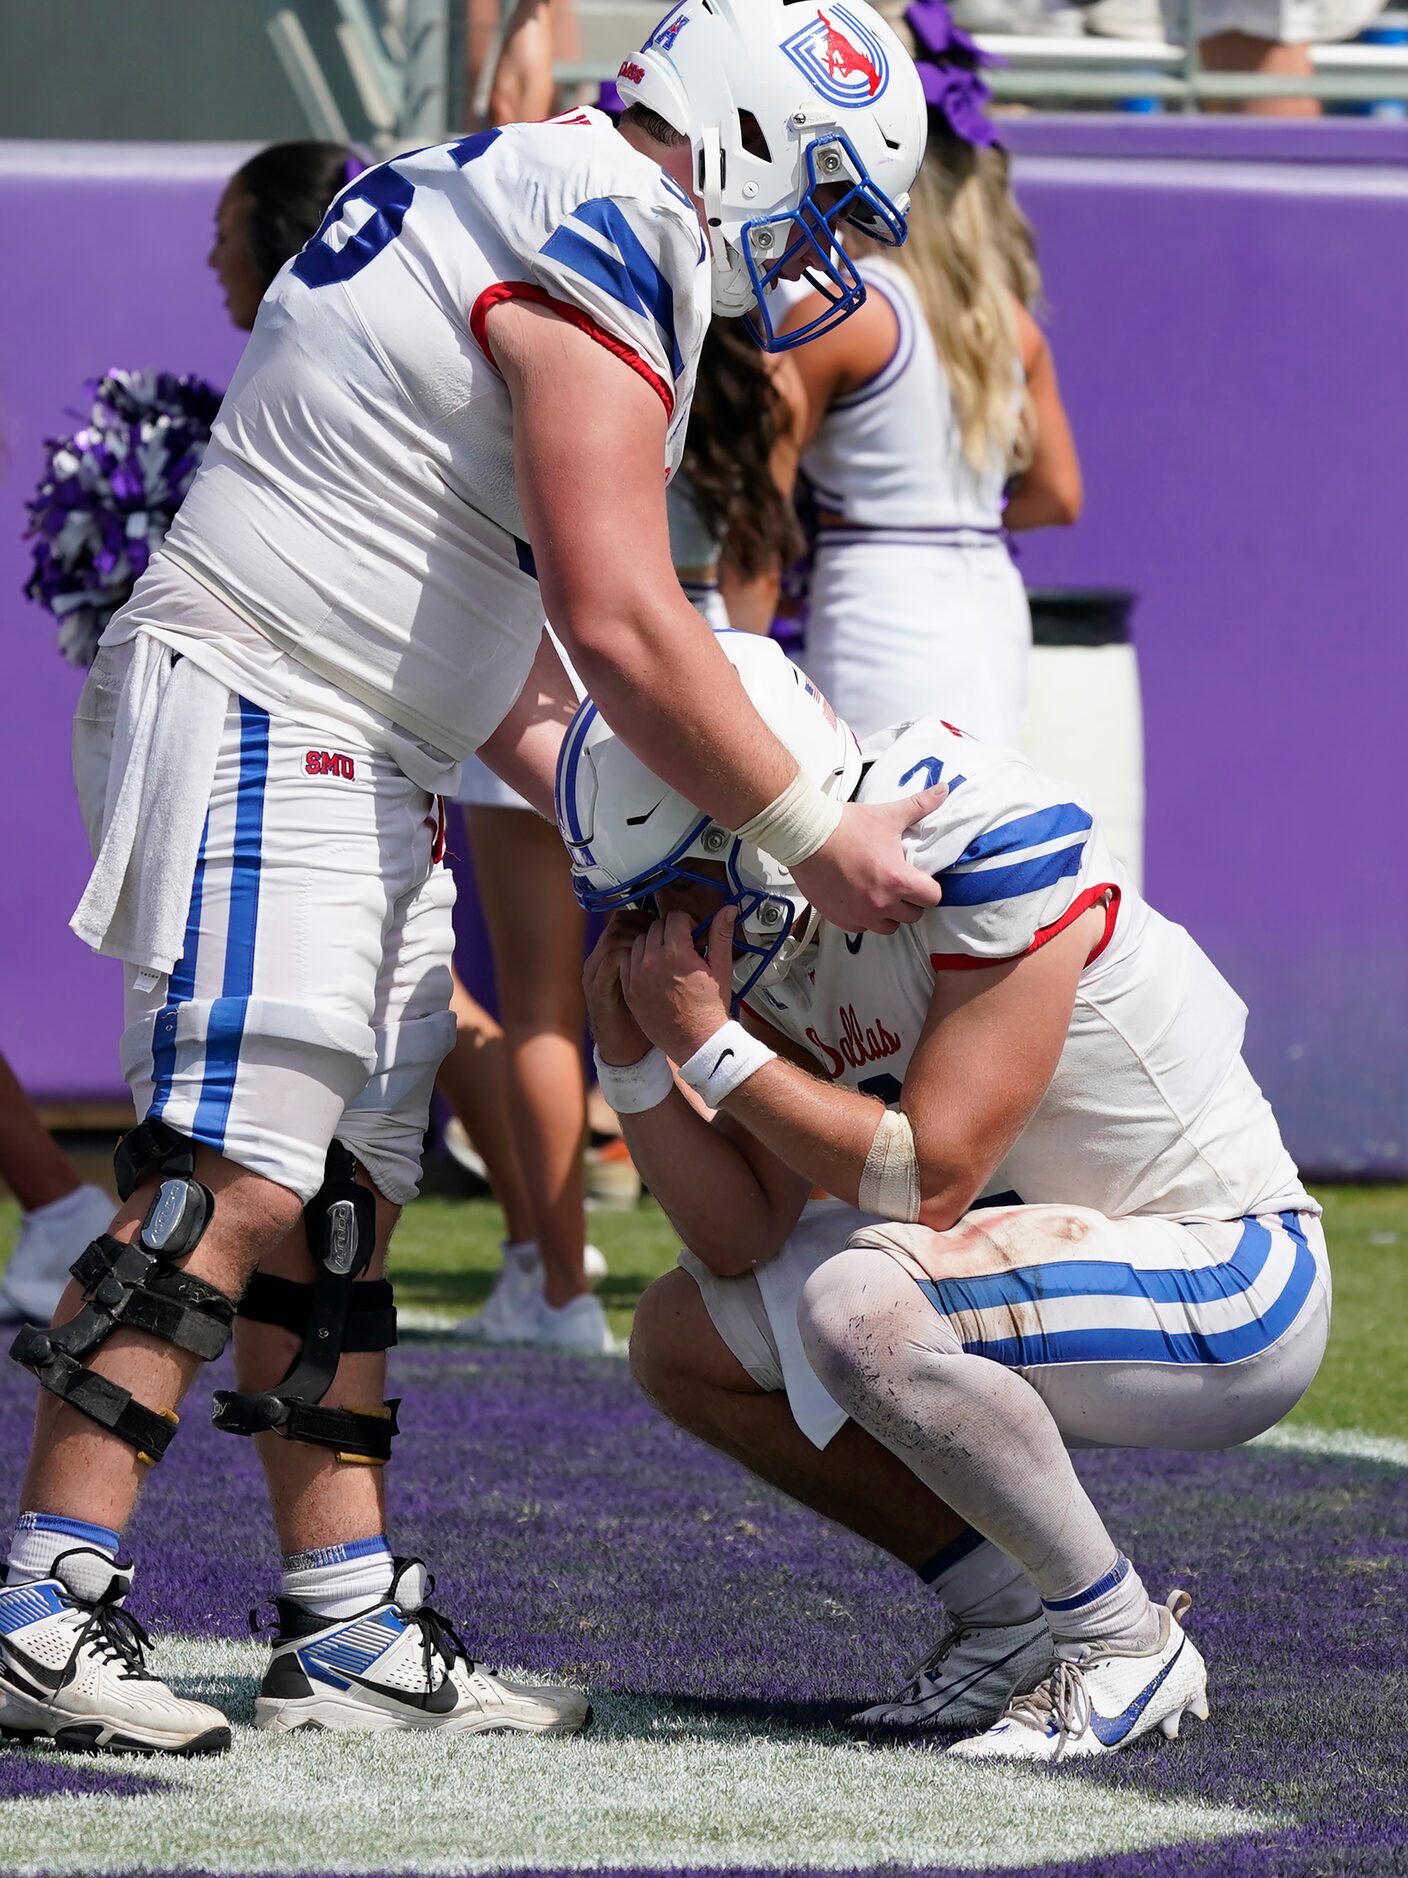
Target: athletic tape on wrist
(729, 1058)
(889, 1184)
(794, 825)
(632, 1088)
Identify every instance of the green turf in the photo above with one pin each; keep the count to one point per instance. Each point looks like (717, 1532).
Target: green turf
(446, 1252)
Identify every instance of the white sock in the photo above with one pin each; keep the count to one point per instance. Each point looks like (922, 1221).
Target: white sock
(521, 1252)
(56, 1210)
(40, 1538)
(339, 1580)
(978, 1435)
(979, 1584)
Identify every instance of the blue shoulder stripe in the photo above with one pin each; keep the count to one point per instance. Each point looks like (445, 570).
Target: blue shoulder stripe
(630, 276)
(1027, 831)
(1009, 883)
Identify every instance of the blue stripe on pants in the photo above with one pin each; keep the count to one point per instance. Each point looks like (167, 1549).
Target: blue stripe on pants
(1140, 1344)
(227, 1014)
(180, 989)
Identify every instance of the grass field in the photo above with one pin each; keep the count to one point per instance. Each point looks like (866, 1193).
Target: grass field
(725, 1634)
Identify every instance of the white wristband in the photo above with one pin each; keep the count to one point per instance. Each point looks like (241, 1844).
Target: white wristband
(729, 1058)
(632, 1088)
(795, 825)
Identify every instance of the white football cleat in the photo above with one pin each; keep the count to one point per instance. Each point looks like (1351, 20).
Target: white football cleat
(72, 1668)
(510, 1313)
(593, 1264)
(48, 1243)
(579, 1327)
(1096, 1699)
(398, 1664)
(968, 1680)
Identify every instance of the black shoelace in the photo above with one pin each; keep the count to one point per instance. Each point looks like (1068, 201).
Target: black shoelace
(116, 1636)
(439, 1641)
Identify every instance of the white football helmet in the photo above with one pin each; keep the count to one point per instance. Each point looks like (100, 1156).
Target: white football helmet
(629, 834)
(781, 99)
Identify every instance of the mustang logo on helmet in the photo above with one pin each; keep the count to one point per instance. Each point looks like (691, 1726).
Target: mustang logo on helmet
(845, 68)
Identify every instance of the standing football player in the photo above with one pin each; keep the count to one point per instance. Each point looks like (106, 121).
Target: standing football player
(1063, 1210)
(456, 413)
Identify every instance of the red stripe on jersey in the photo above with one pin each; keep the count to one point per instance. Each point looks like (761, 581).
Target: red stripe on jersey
(965, 962)
(505, 290)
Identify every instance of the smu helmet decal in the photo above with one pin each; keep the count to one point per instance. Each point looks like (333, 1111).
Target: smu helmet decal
(841, 60)
(665, 32)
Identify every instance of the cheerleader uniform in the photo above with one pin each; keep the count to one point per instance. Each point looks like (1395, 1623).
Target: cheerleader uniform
(916, 608)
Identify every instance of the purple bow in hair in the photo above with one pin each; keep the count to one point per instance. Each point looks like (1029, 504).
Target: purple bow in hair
(949, 61)
(352, 169)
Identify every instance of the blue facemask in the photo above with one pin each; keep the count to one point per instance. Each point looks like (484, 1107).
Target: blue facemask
(809, 232)
(639, 894)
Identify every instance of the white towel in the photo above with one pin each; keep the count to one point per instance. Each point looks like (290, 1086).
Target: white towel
(164, 740)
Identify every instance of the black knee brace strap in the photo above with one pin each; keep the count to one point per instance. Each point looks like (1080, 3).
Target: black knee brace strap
(140, 1287)
(331, 1315)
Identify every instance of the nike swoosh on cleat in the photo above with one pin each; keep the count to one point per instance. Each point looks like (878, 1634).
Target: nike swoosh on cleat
(1111, 1730)
(437, 1701)
(18, 1663)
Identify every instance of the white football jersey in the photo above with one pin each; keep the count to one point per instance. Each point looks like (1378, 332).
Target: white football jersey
(889, 454)
(357, 503)
(1151, 1109)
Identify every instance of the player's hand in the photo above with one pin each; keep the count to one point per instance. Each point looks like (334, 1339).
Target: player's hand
(679, 999)
(619, 1038)
(860, 878)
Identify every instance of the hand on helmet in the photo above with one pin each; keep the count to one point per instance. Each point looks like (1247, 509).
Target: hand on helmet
(678, 998)
(860, 878)
(619, 1038)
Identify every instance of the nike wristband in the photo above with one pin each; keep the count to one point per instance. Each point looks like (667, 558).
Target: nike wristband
(728, 1059)
(632, 1088)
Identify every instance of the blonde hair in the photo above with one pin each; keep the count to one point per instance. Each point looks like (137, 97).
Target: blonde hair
(970, 264)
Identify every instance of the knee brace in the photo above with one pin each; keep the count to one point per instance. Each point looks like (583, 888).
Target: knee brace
(332, 1315)
(139, 1286)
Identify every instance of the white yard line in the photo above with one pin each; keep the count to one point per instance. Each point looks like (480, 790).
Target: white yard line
(647, 1787)
(1345, 1444)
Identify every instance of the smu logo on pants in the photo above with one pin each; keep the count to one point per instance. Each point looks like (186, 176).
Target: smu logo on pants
(841, 59)
(330, 763)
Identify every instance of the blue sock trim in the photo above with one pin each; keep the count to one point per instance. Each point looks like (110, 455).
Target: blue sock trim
(67, 1528)
(1117, 1572)
(951, 1555)
(336, 1554)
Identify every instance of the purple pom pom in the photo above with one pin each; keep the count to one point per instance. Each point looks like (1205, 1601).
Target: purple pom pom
(108, 496)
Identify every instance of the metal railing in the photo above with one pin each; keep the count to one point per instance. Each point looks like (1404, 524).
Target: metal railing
(405, 59)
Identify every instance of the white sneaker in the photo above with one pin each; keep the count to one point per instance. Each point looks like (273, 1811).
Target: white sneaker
(463, 1152)
(72, 1668)
(510, 1313)
(969, 1679)
(580, 1327)
(49, 1241)
(1095, 1699)
(398, 1664)
(593, 1264)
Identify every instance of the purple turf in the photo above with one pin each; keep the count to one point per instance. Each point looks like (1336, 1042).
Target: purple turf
(38, 1773)
(575, 1531)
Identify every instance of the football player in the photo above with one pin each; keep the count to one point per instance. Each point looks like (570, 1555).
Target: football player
(1062, 1212)
(457, 412)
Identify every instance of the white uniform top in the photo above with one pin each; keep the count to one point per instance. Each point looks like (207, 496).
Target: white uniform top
(890, 455)
(1151, 1109)
(357, 503)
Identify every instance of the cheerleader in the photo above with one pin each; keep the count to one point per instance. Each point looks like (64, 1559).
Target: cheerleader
(928, 408)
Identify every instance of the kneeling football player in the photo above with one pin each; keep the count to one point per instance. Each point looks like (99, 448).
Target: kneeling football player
(1063, 1213)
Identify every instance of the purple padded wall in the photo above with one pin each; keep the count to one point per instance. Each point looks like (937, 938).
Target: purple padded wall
(1227, 318)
